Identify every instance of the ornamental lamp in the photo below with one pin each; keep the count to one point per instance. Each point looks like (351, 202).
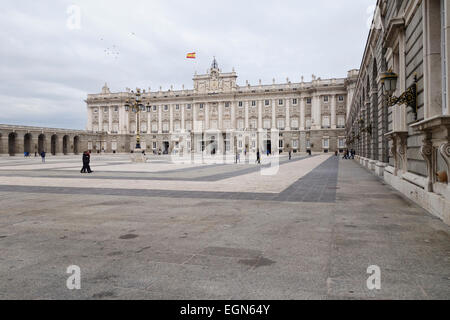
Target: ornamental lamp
(389, 82)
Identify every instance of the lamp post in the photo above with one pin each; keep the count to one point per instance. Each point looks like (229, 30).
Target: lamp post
(389, 86)
(134, 104)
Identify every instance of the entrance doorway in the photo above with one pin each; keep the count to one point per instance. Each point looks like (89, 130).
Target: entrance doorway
(53, 142)
(166, 147)
(76, 143)
(41, 143)
(12, 144)
(65, 145)
(268, 145)
(27, 143)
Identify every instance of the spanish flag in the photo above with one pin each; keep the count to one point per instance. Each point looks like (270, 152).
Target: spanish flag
(190, 55)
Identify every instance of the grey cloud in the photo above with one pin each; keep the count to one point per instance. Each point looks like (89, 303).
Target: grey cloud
(47, 70)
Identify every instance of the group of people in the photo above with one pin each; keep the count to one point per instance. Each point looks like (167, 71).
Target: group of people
(349, 154)
(86, 162)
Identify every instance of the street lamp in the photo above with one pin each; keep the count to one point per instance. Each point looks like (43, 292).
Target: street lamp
(134, 104)
(389, 86)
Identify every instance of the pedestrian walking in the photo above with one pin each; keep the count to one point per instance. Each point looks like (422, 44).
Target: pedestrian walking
(290, 154)
(43, 156)
(258, 157)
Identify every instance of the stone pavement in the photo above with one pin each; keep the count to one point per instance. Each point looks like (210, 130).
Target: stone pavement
(308, 232)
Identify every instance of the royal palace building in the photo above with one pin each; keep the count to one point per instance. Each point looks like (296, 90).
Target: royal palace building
(220, 117)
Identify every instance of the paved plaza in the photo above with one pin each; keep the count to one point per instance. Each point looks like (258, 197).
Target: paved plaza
(175, 229)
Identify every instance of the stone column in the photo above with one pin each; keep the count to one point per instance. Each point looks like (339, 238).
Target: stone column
(4, 143)
(34, 143)
(19, 143)
(100, 119)
(316, 112)
(171, 118)
(220, 125)
(302, 114)
(194, 119)
(246, 115)
(160, 119)
(333, 111)
(206, 116)
(288, 116)
(183, 125)
(127, 122)
(260, 122)
(149, 121)
(110, 119)
(121, 119)
(233, 115)
(89, 119)
(274, 114)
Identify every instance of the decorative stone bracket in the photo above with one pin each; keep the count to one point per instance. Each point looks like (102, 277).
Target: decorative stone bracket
(398, 149)
(437, 131)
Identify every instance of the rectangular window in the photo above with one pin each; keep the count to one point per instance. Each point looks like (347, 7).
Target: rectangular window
(202, 105)
(341, 122)
(105, 109)
(308, 100)
(267, 102)
(95, 110)
(253, 124)
(154, 108)
(240, 144)
(341, 98)
(165, 127)
(227, 124)
(266, 124)
(280, 123)
(189, 106)
(149, 109)
(227, 104)
(280, 144)
(177, 126)
(154, 127)
(325, 122)
(308, 144)
(294, 124)
(295, 144)
(253, 103)
(116, 109)
(280, 102)
(294, 101)
(241, 104)
(166, 107)
(240, 124)
(308, 123)
(188, 125)
(341, 143)
(325, 98)
(326, 143)
(177, 107)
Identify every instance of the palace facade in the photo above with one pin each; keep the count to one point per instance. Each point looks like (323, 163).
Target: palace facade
(220, 117)
(407, 144)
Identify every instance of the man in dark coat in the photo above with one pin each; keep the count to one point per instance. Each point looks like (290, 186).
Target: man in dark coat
(86, 161)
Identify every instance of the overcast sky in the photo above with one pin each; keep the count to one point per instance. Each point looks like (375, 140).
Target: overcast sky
(48, 65)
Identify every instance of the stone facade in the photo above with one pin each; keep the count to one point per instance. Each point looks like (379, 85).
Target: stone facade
(16, 140)
(218, 117)
(407, 148)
